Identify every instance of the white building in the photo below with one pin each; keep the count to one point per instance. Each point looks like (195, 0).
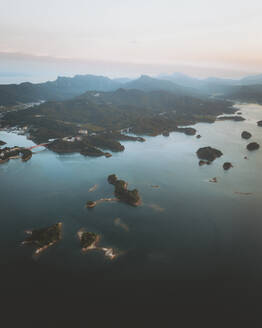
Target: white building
(82, 131)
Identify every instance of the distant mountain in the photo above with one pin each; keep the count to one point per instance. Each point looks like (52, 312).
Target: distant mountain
(122, 80)
(147, 83)
(220, 81)
(61, 89)
(211, 85)
(182, 80)
(246, 93)
(252, 80)
(64, 88)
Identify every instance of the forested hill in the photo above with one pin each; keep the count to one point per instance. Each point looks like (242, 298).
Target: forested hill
(147, 112)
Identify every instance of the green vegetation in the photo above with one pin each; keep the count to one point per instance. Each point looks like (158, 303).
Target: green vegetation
(149, 113)
(131, 197)
(87, 239)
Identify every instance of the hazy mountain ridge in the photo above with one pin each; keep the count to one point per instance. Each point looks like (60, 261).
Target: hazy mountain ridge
(64, 88)
(61, 89)
(212, 85)
(247, 93)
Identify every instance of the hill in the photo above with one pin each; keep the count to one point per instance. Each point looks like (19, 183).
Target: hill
(212, 85)
(149, 112)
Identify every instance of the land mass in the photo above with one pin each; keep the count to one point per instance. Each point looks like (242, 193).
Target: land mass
(45, 237)
(208, 153)
(98, 121)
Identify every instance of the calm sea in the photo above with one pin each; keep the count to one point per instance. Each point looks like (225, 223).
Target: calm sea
(189, 234)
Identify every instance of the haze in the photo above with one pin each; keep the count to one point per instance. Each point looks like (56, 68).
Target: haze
(118, 38)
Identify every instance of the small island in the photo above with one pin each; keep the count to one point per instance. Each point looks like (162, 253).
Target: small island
(246, 135)
(112, 179)
(253, 146)
(90, 204)
(259, 123)
(15, 152)
(88, 240)
(209, 154)
(2, 143)
(231, 118)
(130, 197)
(227, 166)
(45, 237)
(187, 131)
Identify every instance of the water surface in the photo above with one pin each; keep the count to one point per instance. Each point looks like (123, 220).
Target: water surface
(187, 229)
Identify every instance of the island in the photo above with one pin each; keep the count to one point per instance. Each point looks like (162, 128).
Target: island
(112, 179)
(227, 166)
(130, 197)
(13, 153)
(231, 118)
(45, 237)
(187, 131)
(88, 240)
(253, 146)
(2, 143)
(246, 135)
(209, 154)
(259, 123)
(90, 204)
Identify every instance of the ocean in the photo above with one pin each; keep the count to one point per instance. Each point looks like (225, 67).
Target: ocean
(191, 241)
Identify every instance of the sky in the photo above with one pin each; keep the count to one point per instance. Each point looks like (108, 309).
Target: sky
(46, 38)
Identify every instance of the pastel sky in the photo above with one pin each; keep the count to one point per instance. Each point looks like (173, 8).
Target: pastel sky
(129, 37)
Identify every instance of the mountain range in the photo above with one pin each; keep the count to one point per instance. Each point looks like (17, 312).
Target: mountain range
(64, 88)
